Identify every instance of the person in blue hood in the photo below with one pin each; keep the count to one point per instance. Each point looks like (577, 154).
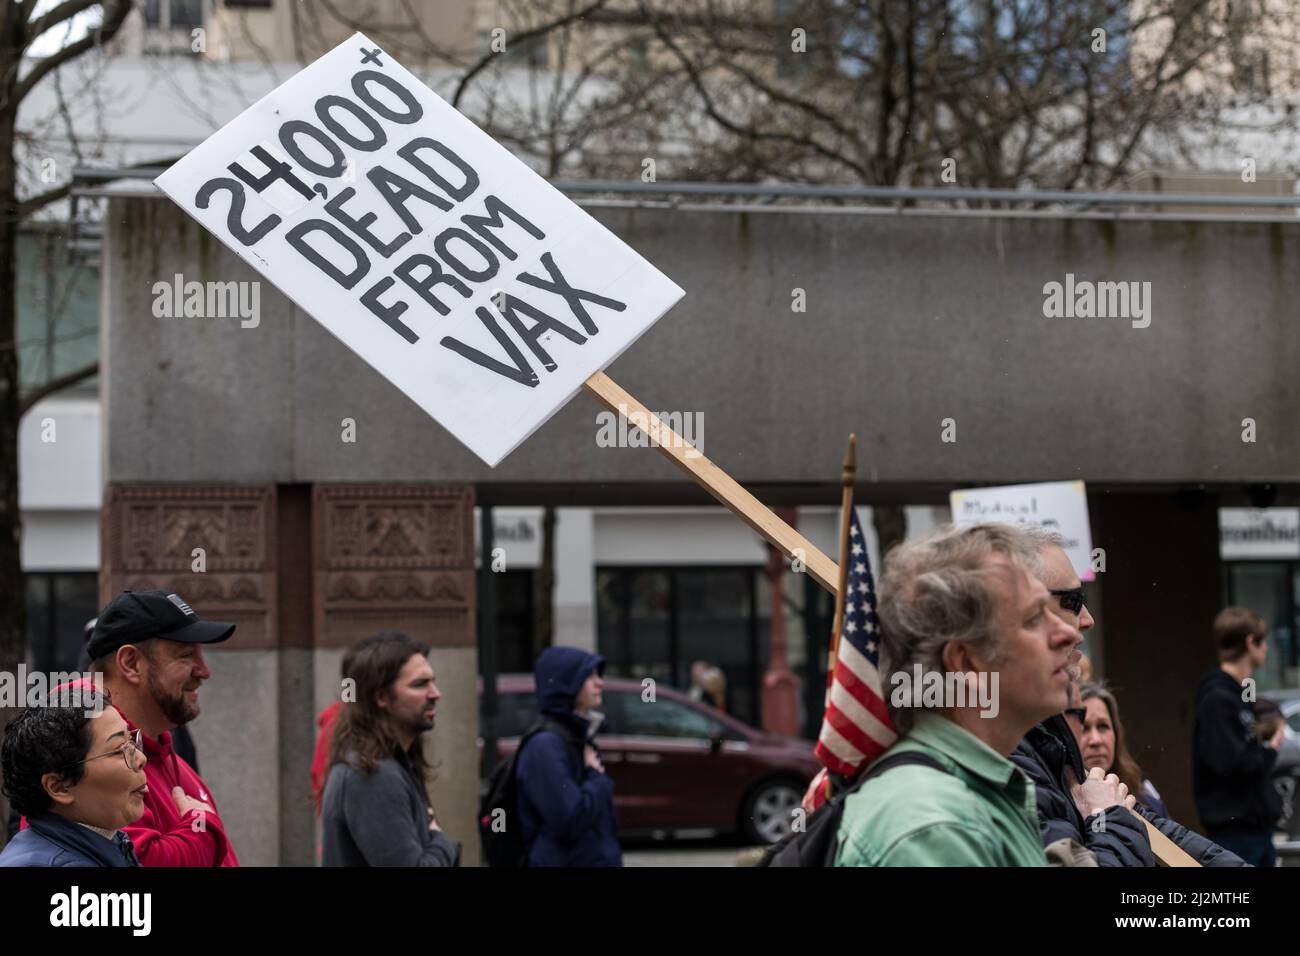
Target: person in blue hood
(566, 802)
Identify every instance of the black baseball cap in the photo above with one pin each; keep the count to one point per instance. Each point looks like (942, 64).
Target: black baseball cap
(135, 616)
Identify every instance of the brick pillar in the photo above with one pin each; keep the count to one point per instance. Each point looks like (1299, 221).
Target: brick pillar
(215, 545)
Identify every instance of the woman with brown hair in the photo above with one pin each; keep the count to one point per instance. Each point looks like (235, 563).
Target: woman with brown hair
(1101, 740)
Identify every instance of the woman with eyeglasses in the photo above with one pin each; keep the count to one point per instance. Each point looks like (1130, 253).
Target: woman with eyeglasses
(76, 772)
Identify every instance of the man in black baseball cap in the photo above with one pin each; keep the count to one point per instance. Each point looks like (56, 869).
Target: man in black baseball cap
(135, 616)
(148, 646)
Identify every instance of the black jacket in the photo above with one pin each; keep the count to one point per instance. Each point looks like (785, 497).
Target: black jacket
(1116, 838)
(1231, 769)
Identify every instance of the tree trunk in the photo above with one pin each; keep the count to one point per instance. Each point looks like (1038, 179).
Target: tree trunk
(13, 644)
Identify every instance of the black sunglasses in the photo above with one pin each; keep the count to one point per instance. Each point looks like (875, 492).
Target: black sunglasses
(1079, 713)
(1071, 598)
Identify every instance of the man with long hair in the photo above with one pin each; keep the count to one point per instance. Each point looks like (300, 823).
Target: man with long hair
(376, 809)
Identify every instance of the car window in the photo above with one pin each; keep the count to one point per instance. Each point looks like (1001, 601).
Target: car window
(1294, 721)
(614, 707)
(664, 718)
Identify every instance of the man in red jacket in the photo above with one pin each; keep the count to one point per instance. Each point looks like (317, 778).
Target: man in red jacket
(147, 644)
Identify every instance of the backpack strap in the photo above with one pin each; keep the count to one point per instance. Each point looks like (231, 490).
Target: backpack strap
(898, 760)
(571, 747)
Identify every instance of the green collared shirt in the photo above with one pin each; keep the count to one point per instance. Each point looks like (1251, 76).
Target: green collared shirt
(980, 813)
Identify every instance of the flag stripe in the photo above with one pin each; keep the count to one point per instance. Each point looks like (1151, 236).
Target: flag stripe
(855, 727)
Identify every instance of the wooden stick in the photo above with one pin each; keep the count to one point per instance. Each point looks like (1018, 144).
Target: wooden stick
(846, 513)
(716, 481)
(1166, 851)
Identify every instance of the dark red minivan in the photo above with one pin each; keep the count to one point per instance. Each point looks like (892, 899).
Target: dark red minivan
(679, 765)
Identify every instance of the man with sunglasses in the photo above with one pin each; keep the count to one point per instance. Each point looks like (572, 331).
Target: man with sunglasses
(148, 645)
(1088, 806)
(1093, 809)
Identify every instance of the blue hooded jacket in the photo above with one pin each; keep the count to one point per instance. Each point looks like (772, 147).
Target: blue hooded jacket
(566, 811)
(51, 840)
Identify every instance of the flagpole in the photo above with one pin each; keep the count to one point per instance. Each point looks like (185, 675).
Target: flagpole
(846, 512)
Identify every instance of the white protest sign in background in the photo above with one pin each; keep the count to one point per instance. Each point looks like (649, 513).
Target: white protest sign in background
(1060, 506)
(461, 275)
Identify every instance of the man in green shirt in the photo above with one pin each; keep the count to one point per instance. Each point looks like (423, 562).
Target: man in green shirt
(959, 609)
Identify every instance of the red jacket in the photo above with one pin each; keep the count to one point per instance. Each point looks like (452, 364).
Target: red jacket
(162, 837)
(320, 763)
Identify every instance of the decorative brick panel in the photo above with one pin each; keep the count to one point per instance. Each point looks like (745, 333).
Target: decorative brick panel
(394, 556)
(151, 531)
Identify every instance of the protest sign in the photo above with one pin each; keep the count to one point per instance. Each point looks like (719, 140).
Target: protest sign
(463, 277)
(1060, 506)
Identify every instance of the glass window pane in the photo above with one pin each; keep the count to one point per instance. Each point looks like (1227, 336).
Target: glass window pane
(713, 615)
(639, 601)
(76, 601)
(40, 621)
(666, 718)
(1263, 587)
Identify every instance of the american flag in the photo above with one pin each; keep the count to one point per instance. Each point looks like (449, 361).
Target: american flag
(856, 727)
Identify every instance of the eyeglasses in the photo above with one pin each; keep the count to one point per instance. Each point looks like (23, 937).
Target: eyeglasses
(1071, 598)
(1078, 713)
(127, 750)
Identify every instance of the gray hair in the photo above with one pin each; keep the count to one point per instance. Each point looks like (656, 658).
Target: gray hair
(1040, 539)
(939, 588)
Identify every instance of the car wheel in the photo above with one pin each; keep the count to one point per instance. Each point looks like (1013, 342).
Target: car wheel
(766, 816)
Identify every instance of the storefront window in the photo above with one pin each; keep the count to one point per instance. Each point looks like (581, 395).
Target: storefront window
(58, 607)
(1266, 587)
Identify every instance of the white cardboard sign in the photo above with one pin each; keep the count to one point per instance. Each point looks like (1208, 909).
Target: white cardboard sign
(458, 273)
(1060, 506)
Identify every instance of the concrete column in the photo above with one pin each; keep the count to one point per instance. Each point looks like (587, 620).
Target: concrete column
(575, 578)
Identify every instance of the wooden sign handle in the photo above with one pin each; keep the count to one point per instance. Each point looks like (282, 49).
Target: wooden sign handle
(1167, 852)
(717, 482)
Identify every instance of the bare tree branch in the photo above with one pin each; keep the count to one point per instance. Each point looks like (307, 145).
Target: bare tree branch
(526, 35)
(60, 14)
(112, 23)
(38, 202)
(42, 392)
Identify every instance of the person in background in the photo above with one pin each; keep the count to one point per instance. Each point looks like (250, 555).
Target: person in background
(1101, 740)
(1232, 771)
(715, 688)
(320, 763)
(1268, 720)
(76, 772)
(566, 802)
(376, 810)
